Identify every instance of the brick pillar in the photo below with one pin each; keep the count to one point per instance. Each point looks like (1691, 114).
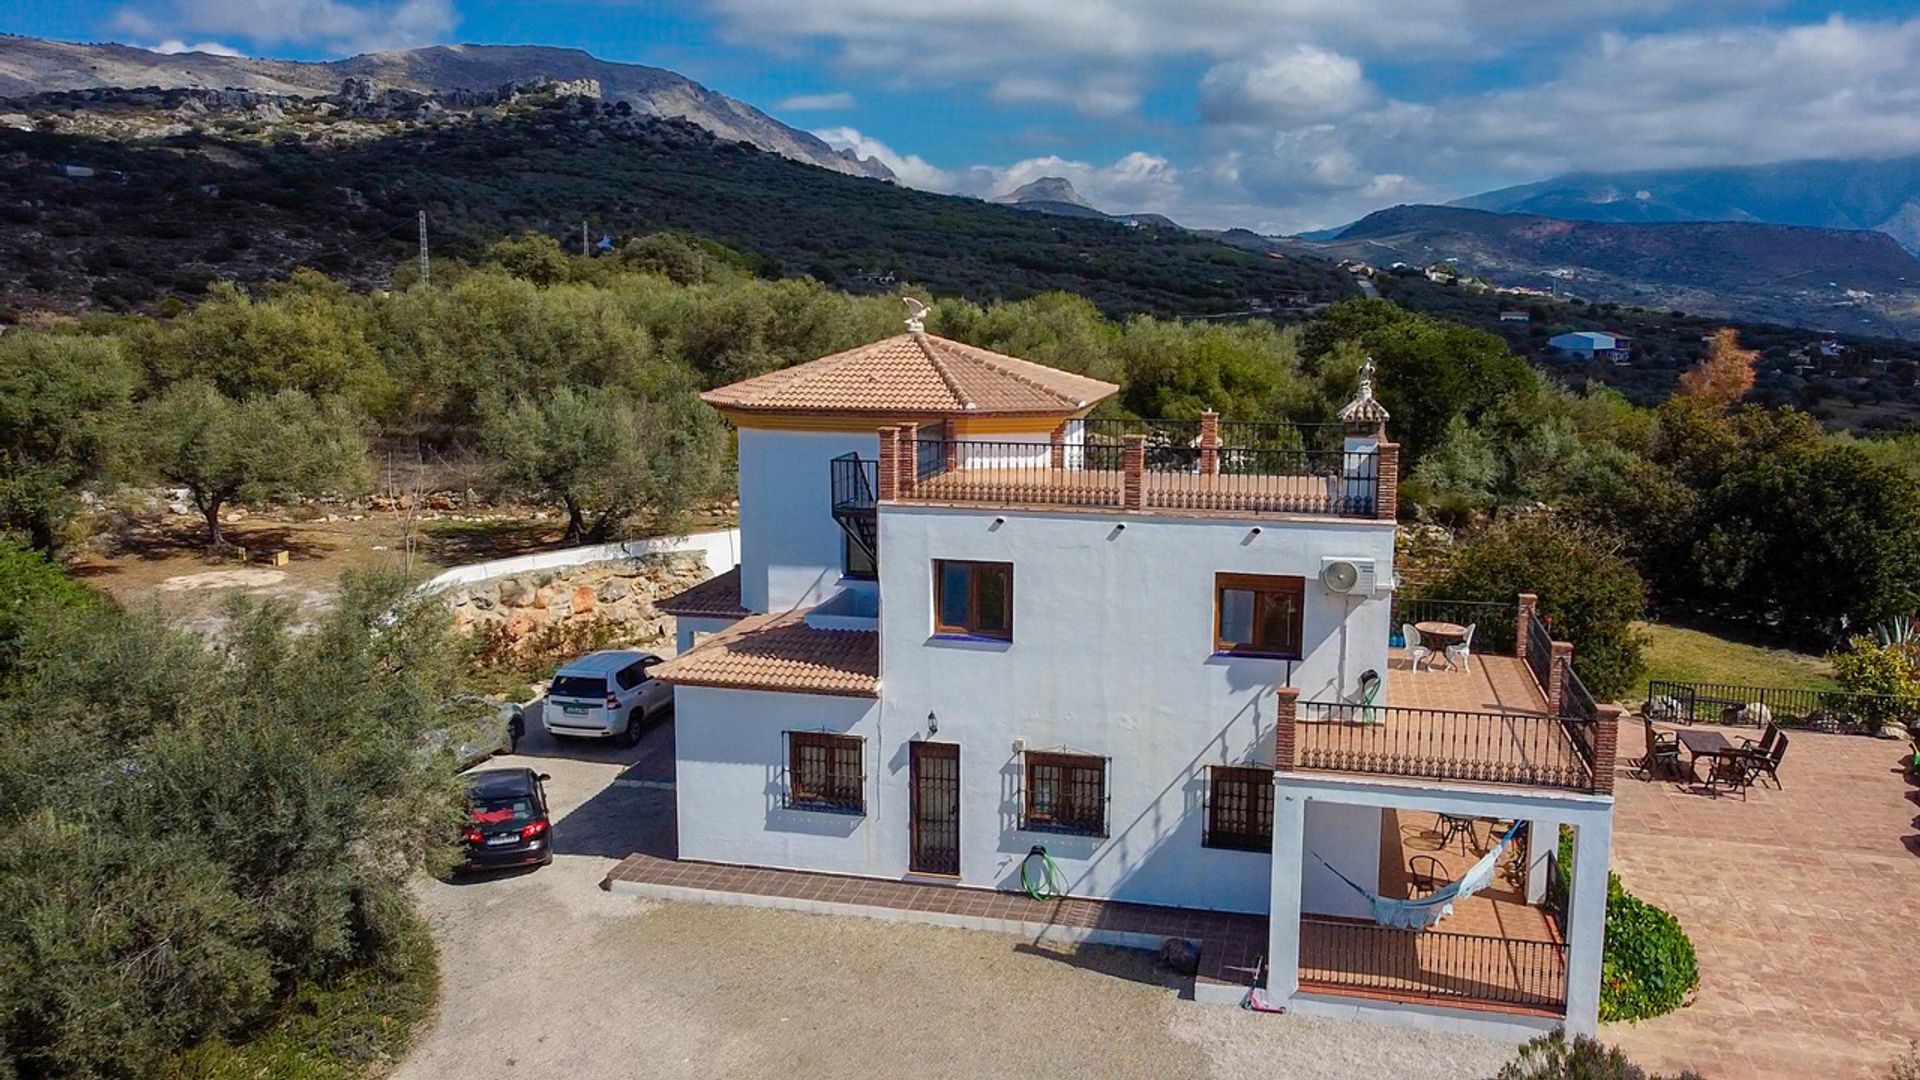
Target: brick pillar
(1057, 457)
(1386, 504)
(1523, 626)
(1210, 443)
(906, 466)
(1286, 752)
(887, 473)
(1557, 676)
(1134, 485)
(1606, 746)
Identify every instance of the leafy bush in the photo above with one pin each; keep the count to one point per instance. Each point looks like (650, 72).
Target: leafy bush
(1552, 1057)
(504, 663)
(1589, 594)
(198, 836)
(1866, 666)
(1648, 967)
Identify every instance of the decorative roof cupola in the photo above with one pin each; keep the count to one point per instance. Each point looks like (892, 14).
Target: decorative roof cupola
(1364, 415)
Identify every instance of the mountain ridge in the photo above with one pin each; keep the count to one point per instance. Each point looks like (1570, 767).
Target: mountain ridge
(1877, 194)
(31, 65)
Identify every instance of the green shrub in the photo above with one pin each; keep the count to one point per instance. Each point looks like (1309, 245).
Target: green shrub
(1648, 967)
(1552, 1057)
(1589, 594)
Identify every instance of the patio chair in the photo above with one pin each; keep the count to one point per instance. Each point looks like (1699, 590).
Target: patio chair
(1426, 874)
(1734, 770)
(1416, 649)
(1767, 739)
(1763, 758)
(1462, 649)
(1663, 753)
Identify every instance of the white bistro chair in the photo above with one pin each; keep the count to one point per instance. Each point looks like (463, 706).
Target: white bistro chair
(1462, 649)
(1416, 650)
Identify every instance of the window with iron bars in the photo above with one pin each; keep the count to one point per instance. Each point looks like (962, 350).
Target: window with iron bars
(1239, 808)
(1065, 793)
(826, 772)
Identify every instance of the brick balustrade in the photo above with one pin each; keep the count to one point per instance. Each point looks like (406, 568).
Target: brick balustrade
(1523, 626)
(886, 474)
(1134, 483)
(1057, 456)
(1386, 505)
(1286, 735)
(1606, 746)
(1210, 443)
(1557, 676)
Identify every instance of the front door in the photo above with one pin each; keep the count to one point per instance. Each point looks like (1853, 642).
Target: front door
(935, 783)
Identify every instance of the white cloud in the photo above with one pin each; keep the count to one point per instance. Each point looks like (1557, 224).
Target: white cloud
(1302, 84)
(172, 46)
(1094, 97)
(838, 100)
(335, 26)
(911, 170)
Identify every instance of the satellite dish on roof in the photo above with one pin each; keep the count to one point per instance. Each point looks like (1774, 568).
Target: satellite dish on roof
(916, 314)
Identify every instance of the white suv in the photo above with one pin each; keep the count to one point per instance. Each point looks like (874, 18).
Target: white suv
(605, 695)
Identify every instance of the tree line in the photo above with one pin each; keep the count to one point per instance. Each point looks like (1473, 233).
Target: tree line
(576, 379)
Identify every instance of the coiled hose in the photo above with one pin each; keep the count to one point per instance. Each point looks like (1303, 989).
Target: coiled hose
(1045, 885)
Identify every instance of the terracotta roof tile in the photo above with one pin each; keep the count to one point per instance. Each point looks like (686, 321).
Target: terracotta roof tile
(915, 373)
(781, 652)
(718, 597)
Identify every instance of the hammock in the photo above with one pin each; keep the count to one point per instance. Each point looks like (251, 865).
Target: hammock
(1427, 910)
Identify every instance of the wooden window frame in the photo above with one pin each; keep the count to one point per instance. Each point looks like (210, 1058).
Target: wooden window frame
(973, 600)
(1264, 587)
(837, 793)
(1085, 821)
(1244, 794)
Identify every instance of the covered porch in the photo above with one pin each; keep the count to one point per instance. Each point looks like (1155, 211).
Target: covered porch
(1520, 955)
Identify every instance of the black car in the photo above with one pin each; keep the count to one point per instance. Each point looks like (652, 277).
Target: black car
(507, 823)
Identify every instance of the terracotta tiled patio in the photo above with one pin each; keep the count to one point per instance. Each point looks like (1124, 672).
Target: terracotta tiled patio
(1497, 684)
(1804, 905)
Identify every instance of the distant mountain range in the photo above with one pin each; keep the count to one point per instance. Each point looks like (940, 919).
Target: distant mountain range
(1879, 195)
(34, 65)
(1056, 195)
(1861, 281)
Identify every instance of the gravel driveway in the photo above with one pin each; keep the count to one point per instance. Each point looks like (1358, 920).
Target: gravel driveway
(544, 975)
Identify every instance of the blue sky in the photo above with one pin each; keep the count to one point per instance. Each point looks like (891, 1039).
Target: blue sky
(1272, 114)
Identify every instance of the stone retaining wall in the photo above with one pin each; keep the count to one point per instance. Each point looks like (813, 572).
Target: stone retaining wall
(620, 590)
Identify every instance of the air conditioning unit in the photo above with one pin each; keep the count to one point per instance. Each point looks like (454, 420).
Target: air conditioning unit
(1353, 577)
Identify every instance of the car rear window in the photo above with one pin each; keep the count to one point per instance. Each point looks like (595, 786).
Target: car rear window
(578, 686)
(517, 809)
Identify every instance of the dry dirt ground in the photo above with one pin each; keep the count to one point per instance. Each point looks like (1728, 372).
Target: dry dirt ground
(545, 975)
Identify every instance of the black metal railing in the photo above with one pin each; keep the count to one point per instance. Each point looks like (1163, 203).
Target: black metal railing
(1442, 744)
(855, 482)
(1579, 713)
(1432, 965)
(1492, 623)
(1539, 650)
(1818, 710)
(1244, 434)
(1172, 477)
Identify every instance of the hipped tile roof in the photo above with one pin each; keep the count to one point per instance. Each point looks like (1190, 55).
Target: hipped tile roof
(781, 652)
(915, 373)
(718, 597)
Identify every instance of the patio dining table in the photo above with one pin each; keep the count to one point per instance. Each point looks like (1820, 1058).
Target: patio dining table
(1701, 744)
(1436, 636)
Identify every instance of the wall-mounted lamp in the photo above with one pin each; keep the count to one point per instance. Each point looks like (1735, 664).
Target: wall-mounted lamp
(1255, 532)
(933, 724)
(999, 521)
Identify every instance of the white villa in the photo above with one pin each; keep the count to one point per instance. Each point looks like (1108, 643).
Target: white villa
(969, 622)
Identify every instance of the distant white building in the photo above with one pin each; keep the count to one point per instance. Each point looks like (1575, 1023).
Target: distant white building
(1515, 317)
(1592, 345)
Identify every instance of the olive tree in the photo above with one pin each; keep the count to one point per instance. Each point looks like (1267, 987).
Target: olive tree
(604, 457)
(62, 398)
(221, 449)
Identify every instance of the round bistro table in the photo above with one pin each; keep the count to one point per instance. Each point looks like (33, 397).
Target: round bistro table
(1436, 636)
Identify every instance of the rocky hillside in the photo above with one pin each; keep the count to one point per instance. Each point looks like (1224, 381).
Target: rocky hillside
(34, 65)
(1858, 281)
(136, 199)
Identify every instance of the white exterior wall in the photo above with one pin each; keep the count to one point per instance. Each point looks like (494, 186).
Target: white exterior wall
(730, 782)
(1112, 654)
(687, 628)
(790, 553)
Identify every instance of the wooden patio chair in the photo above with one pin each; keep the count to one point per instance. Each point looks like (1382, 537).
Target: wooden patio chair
(1663, 753)
(1762, 758)
(1767, 739)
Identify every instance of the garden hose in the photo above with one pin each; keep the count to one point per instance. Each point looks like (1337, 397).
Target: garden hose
(1048, 884)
